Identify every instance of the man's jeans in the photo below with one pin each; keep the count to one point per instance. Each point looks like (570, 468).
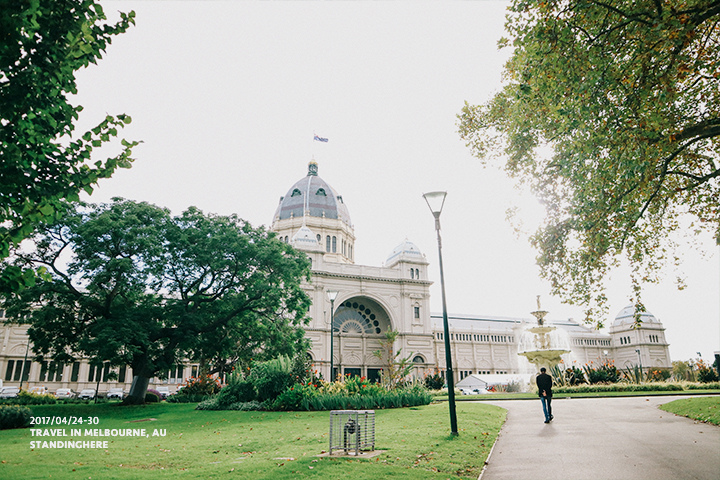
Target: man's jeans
(547, 408)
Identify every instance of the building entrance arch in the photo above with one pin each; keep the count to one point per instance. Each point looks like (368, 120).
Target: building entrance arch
(359, 324)
(361, 315)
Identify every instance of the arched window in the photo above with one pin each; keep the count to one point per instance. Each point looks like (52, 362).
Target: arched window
(319, 238)
(334, 244)
(418, 359)
(327, 243)
(412, 273)
(295, 192)
(321, 192)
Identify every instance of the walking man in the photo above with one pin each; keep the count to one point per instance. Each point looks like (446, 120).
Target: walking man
(544, 383)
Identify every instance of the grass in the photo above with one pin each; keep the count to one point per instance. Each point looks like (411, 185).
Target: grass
(258, 445)
(704, 409)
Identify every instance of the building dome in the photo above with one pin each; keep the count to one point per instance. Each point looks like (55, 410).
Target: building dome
(627, 317)
(406, 251)
(314, 197)
(306, 240)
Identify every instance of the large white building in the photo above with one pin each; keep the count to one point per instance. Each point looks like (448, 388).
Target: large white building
(314, 218)
(371, 300)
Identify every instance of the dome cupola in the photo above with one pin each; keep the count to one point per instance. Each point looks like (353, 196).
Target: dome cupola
(314, 197)
(315, 217)
(406, 251)
(627, 317)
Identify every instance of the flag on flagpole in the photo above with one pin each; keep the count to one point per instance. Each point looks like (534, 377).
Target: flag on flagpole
(320, 139)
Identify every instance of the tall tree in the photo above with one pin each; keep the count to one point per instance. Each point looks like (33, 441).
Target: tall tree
(144, 289)
(42, 45)
(611, 112)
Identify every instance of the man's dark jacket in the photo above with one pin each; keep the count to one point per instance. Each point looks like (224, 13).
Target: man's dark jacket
(544, 383)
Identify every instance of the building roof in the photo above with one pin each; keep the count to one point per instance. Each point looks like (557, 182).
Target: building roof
(405, 251)
(314, 197)
(465, 323)
(626, 316)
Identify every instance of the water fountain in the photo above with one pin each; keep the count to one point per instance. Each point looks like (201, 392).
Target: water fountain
(540, 344)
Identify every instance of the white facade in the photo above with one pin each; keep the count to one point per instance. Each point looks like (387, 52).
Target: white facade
(370, 301)
(397, 294)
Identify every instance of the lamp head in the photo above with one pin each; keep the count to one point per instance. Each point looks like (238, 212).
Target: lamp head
(332, 295)
(435, 201)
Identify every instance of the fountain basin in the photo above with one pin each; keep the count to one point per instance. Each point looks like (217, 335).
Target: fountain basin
(546, 358)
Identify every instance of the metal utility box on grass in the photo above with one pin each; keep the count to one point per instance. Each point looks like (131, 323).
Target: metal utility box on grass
(352, 430)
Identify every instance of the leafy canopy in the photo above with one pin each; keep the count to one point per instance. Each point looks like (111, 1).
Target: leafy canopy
(132, 285)
(43, 44)
(625, 97)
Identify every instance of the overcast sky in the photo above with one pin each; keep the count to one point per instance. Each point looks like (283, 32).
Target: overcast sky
(226, 97)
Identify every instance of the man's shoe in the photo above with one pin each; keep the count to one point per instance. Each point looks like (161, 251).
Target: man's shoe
(551, 418)
(547, 421)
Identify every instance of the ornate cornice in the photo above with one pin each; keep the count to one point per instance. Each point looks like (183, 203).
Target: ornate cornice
(317, 273)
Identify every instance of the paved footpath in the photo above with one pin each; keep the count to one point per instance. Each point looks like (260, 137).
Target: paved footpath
(602, 439)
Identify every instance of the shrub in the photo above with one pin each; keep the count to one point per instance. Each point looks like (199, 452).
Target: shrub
(296, 397)
(703, 386)
(181, 398)
(271, 378)
(361, 386)
(683, 371)
(396, 398)
(14, 416)
(605, 373)
(573, 376)
(706, 374)
(152, 396)
(301, 369)
(633, 374)
(621, 387)
(658, 375)
(434, 381)
(239, 391)
(201, 385)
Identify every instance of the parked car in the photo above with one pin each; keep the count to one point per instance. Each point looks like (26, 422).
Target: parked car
(115, 393)
(9, 392)
(87, 394)
(163, 391)
(39, 390)
(65, 393)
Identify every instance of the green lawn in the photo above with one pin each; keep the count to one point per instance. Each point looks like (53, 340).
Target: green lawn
(257, 445)
(705, 409)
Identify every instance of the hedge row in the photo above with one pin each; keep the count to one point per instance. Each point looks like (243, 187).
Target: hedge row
(621, 387)
(380, 399)
(14, 416)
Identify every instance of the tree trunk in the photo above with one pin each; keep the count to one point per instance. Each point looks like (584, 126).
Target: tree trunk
(137, 391)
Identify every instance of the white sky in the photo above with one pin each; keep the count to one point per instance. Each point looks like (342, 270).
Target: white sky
(226, 97)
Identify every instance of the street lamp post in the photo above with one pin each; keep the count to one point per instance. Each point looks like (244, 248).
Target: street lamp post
(435, 201)
(332, 295)
(637, 350)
